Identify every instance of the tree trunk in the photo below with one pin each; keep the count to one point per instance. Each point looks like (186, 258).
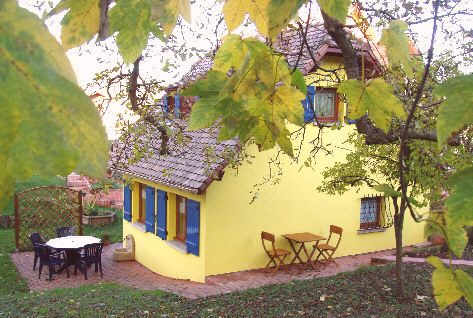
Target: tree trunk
(398, 226)
(398, 222)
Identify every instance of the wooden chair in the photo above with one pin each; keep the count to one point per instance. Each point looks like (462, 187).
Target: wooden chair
(273, 252)
(327, 249)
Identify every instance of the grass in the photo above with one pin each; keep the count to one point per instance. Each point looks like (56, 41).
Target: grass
(366, 292)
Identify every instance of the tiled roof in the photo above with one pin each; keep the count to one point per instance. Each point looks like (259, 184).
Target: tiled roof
(289, 43)
(191, 166)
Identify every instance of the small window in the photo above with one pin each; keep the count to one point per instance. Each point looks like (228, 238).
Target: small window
(321, 102)
(181, 219)
(142, 215)
(326, 104)
(371, 212)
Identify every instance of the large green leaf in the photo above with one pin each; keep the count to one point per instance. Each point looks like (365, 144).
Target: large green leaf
(48, 125)
(397, 46)
(234, 12)
(335, 8)
(131, 19)
(168, 11)
(460, 212)
(280, 13)
(456, 111)
(80, 23)
(449, 285)
(375, 98)
(208, 109)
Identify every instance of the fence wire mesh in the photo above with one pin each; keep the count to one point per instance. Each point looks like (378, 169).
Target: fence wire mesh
(44, 209)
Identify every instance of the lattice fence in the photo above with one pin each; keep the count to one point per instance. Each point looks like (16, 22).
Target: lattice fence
(43, 210)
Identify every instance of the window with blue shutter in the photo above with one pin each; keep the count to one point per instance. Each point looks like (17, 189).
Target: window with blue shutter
(161, 198)
(127, 203)
(193, 226)
(165, 104)
(177, 104)
(308, 107)
(149, 209)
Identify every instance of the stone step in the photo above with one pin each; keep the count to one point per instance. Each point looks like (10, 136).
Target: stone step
(77, 183)
(383, 259)
(423, 245)
(74, 176)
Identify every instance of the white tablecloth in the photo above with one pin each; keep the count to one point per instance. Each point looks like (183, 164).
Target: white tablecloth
(71, 242)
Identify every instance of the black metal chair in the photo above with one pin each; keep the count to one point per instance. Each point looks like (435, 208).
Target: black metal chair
(35, 239)
(92, 254)
(66, 231)
(51, 259)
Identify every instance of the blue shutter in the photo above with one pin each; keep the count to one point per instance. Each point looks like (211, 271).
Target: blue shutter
(308, 107)
(193, 226)
(349, 121)
(177, 104)
(149, 209)
(161, 198)
(165, 104)
(127, 203)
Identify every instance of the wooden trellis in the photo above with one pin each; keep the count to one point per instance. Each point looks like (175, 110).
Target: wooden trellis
(44, 209)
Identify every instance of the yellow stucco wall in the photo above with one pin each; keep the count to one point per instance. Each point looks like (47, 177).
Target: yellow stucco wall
(154, 253)
(292, 205)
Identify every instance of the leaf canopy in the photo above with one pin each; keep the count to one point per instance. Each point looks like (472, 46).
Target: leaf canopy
(49, 126)
(456, 111)
(375, 98)
(256, 100)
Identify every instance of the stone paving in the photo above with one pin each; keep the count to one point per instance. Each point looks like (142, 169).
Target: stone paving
(135, 275)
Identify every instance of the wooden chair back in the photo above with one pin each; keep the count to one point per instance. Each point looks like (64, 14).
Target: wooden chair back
(265, 236)
(335, 230)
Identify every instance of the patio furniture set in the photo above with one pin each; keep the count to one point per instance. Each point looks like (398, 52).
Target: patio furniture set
(65, 250)
(325, 251)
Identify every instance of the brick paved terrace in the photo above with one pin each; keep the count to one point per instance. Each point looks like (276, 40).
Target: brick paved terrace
(135, 275)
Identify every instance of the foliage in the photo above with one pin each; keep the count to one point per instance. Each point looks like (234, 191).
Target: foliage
(375, 98)
(449, 285)
(49, 126)
(397, 44)
(455, 113)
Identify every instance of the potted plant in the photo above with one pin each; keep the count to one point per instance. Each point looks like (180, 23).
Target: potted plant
(105, 238)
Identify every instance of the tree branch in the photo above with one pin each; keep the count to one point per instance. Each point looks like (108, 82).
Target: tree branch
(132, 89)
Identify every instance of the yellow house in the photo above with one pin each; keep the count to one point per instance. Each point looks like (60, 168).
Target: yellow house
(193, 217)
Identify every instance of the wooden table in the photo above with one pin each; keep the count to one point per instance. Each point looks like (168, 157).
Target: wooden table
(303, 238)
